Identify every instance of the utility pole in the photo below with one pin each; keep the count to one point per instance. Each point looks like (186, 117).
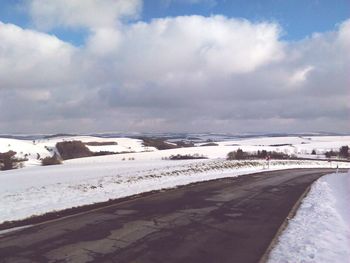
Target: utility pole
(268, 161)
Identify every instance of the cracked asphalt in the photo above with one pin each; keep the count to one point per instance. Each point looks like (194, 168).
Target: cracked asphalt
(226, 220)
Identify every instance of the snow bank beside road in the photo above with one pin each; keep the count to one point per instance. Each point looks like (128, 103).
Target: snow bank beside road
(320, 231)
(38, 190)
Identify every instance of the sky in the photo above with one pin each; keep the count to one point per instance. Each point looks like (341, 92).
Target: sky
(174, 66)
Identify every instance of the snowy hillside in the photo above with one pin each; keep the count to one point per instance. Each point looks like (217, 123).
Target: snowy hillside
(34, 150)
(295, 145)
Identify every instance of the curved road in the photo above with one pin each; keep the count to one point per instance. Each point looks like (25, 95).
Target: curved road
(226, 220)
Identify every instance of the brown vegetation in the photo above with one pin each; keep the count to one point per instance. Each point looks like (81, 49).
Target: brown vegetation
(51, 160)
(73, 149)
(182, 144)
(159, 144)
(186, 157)
(342, 153)
(210, 144)
(162, 144)
(8, 161)
(100, 153)
(100, 143)
(241, 155)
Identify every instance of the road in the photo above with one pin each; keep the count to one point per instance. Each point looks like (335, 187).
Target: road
(226, 220)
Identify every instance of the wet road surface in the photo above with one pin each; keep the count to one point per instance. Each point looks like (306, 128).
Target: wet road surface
(226, 220)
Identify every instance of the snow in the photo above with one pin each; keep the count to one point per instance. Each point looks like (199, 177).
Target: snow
(320, 230)
(37, 190)
(299, 146)
(302, 147)
(34, 150)
(3, 232)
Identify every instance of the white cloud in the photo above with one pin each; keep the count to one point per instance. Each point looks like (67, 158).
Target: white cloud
(104, 41)
(173, 74)
(29, 59)
(77, 13)
(196, 44)
(344, 34)
(36, 95)
(300, 75)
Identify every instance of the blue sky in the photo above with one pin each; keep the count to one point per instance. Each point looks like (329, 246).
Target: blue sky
(298, 18)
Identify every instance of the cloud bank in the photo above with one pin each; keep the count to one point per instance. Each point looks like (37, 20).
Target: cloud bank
(186, 73)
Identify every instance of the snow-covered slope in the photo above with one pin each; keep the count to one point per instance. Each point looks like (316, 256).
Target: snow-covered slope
(296, 144)
(34, 150)
(320, 231)
(299, 146)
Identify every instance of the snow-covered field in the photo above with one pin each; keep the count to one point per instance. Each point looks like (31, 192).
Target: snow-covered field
(320, 231)
(299, 146)
(36, 189)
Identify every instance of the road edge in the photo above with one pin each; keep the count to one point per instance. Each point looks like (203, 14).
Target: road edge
(285, 223)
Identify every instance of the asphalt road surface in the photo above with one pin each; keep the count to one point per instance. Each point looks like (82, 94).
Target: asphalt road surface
(226, 220)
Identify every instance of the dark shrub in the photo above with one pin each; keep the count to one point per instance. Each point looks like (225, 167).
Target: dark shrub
(241, 155)
(186, 157)
(331, 154)
(237, 155)
(182, 144)
(100, 153)
(210, 144)
(51, 160)
(158, 143)
(73, 149)
(8, 161)
(162, 144)
(344, 151)
(262, 154)
(278, 155)
(100, 143)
